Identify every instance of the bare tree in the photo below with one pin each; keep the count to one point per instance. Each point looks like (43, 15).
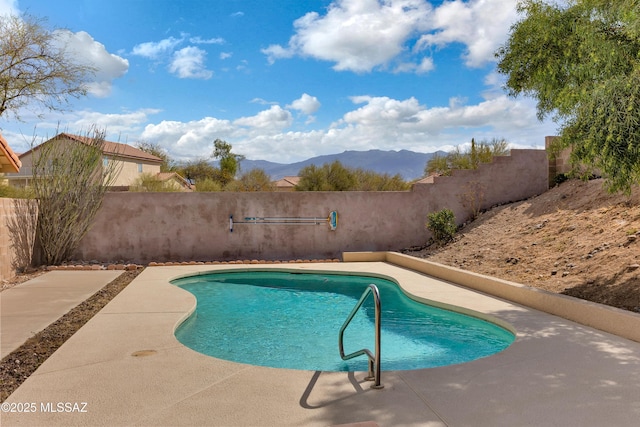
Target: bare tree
(70, 179)
(35, 67)
(22, 233)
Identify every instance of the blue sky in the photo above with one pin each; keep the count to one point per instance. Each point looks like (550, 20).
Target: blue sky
(285, 80)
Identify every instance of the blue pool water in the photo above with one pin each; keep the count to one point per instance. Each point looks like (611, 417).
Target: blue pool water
(292, 320)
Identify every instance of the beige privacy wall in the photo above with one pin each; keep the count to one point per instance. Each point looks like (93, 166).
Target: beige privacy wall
(6, 252)
(145, 227)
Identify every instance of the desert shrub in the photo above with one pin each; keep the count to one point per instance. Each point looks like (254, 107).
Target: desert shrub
(253, 180)
(151, 183)
(442, 224)
(482, 152)
(208, 185)
(473, 197)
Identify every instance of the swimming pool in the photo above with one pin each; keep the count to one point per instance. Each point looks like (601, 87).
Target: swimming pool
(287, 319)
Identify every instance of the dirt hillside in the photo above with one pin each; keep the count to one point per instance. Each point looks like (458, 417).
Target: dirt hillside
(575, 239)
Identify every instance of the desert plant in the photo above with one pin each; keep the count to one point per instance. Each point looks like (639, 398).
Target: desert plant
(36, 67)
(253, 180)
(482, 152)
(443, 225)
(22, 232)
(473, 197)
(70, 179)
(208, 185)
(151, 183)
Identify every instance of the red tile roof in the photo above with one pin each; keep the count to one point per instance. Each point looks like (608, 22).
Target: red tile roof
(115, 149)
(9, 161)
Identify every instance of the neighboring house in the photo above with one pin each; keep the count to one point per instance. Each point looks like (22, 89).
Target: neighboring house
(9, 161)
(174, 181)
(287, 183)
(134, 162)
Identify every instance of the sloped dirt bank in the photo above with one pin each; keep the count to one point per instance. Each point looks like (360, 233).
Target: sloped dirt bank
(575, 239)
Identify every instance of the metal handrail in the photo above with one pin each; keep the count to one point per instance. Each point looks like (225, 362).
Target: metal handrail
(374, 360)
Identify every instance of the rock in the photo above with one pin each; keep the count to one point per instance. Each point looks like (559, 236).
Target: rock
(633, 267)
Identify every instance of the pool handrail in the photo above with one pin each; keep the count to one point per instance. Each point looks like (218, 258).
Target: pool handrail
(374, 360)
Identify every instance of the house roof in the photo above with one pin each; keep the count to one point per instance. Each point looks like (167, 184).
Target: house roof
(9, 161)
(165, 176)
(115, 149)
(287, 181)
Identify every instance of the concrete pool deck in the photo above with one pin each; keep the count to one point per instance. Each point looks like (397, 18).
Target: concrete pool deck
(125, 367)
(30, 307)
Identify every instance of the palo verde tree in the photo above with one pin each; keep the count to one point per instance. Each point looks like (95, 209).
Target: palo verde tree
(229, 162)
(70, 179)
(580, 60)
(35, 68)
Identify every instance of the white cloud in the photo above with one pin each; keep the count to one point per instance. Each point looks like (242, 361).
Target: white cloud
(153, 50)
(358, 35)
(121, 124)
(307, 104)
(275, 51)
(189, 63)
(481, 25)
(9, 7)
(374, 123)
(262, 101)
(90, 52)
(188, 140)
(200, 40)
(225, 55)
(363, 35)
(274, 118)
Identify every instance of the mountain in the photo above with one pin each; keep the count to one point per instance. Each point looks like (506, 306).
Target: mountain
(409, 164)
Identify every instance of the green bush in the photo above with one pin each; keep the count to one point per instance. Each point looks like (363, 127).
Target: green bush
(208, 185)
(443, 225)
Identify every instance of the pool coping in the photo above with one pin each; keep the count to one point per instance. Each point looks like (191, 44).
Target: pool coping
(129, 369)
(620, 322)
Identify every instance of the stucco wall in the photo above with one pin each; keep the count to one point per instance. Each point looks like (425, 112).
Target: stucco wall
(6, 253)
(145, 227)
(128, 171)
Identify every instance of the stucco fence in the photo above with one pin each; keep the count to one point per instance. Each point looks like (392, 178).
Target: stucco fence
(161, 227)
(6, 251)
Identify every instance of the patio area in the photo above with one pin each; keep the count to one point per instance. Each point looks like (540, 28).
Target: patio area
(125, 367)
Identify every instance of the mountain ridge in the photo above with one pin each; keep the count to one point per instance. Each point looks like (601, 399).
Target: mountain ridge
(409, 164)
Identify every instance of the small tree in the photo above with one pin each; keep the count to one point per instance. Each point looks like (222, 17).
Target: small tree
(69, 182)
(229, 162)
(337, 177)
(312, 178)
(198, 171)
(253, 180)
(580, 60)
(158, 151)
(35, 67)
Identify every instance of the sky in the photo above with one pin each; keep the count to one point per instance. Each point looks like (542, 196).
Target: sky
(284, 80)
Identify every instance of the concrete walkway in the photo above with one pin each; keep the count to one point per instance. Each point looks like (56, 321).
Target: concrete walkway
(31, 306)
(125, 367)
